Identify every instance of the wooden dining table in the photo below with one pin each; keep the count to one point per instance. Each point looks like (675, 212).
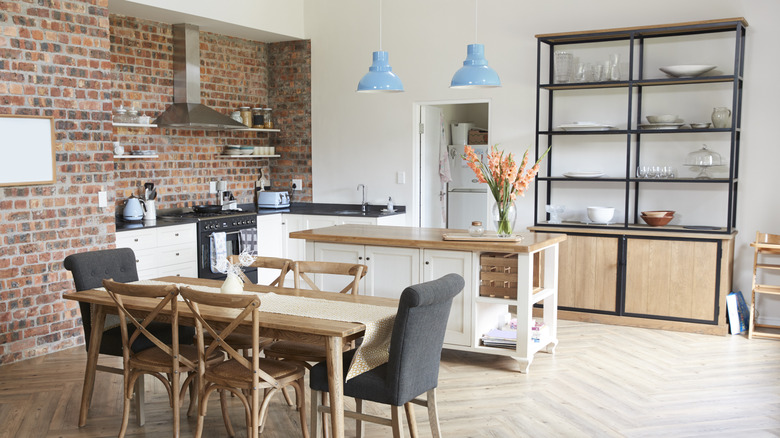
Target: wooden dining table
(332, 334)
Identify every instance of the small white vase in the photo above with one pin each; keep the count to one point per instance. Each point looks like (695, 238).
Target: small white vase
(232, 285)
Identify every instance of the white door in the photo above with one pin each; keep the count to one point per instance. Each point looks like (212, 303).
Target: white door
(438, 263)
(432, 209)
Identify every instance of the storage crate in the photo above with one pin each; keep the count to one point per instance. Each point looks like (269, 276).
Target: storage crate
(498, 274)
(478, 136)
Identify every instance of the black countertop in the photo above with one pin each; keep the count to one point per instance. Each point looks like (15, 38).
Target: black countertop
(351, 210)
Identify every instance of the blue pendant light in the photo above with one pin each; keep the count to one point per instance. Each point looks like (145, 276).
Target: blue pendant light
(380, 77)
(475, 73)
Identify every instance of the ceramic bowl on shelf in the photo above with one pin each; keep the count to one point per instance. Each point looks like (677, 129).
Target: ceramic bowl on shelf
(701, 125)
(686, 70)
(658, 213)
(657, 221)
(601, 215)
(663, 118)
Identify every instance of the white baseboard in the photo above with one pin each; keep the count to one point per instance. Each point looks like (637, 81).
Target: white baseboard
(768, 320)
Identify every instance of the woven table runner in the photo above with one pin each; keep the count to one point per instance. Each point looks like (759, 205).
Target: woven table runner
(379, 320)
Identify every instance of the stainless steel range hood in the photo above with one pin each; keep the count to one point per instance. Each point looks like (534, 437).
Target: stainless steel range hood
(187, 112)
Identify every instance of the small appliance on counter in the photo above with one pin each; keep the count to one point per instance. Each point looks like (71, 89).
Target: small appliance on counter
(133, 210)
(272, 199)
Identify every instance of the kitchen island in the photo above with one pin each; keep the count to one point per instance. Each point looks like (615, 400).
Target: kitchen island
(498, 275)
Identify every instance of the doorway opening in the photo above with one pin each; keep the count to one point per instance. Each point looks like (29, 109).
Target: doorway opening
(448, 194)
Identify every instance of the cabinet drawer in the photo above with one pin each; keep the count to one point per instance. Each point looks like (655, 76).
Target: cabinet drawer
(182, 234)
(179, 270)
(137, 240)
(173, 255)
(146, 259)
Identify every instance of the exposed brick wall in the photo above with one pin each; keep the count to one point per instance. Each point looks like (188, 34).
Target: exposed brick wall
(68, 59)
(54, 61)
(233, 73)
(289, 65)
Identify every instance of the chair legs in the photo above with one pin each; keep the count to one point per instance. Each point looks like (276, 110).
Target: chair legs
(319, 423)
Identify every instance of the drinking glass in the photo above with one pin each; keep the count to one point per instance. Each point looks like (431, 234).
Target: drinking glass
(670, 171)
(579, 74)
(563, 65)
(614, 67)
(652, 171)
(641, 172)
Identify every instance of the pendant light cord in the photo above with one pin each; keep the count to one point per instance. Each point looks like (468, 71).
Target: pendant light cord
(380, 25)
(475, 20)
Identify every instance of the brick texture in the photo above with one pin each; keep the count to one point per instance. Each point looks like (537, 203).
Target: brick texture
(70, 60)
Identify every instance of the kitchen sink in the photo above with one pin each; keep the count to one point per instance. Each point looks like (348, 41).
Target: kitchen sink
(349, 212)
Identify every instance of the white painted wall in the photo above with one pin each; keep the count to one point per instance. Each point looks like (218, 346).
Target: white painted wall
(368, 138)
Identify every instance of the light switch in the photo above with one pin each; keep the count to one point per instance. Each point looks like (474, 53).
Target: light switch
(212, 187)
(400, 177)
(102, 199)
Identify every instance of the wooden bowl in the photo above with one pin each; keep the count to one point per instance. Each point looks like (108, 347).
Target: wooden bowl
(657, 221)
(659, 213)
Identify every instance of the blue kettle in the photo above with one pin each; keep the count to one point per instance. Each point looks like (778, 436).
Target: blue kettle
(133, 210)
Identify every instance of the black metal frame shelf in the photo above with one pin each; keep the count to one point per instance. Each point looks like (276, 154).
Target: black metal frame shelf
(634, 38)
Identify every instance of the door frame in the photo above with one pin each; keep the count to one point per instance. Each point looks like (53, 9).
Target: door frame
(416, 208)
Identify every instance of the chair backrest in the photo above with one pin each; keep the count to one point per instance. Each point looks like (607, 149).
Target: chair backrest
(283, 265)
(355, 271)
(249, 305)
(164, 295)
(767, 238)
(90, 268)
(418, 336)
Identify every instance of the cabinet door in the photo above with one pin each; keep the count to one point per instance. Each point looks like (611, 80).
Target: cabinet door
(339, 253)
(587, 273)
(391, 270)
(294, 249)
(438, 263)
(270, 243)
(177, 235)
(671, 278)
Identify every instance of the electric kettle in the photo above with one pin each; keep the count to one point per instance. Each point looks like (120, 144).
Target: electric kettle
(133, 210)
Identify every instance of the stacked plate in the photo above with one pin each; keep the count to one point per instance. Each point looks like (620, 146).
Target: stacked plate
(590, 174)
(585, 126)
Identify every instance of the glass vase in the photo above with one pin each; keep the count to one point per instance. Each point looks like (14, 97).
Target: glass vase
(504, 219)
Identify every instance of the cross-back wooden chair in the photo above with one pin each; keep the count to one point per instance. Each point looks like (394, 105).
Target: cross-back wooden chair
(283, 265)
(239, 374)
(354, 272)
(157, 360)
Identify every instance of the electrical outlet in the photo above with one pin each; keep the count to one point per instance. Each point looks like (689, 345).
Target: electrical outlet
(400, 177)
(297, 184)
(212, 187)
(102, 199)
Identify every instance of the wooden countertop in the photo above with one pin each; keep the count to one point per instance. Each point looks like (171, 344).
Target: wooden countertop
(413, 237)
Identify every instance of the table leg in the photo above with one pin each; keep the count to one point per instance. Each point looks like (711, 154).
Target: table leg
(336, 386)
(98, 321)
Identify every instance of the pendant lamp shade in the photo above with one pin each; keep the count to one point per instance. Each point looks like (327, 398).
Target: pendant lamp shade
(380, 77)
(475, 73)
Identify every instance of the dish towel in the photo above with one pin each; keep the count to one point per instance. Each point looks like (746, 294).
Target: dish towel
(218, 252)
(247, 241)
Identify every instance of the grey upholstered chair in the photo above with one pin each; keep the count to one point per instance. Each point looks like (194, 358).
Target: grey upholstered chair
(413, 368)
(89, 269)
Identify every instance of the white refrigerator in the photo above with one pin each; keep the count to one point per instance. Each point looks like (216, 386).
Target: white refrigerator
(466, 196)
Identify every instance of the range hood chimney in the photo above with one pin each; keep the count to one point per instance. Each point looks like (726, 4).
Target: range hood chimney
(187, 112)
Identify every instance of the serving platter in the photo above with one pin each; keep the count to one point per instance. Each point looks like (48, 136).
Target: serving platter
(585, 126)
(595, 174)
(670, 125)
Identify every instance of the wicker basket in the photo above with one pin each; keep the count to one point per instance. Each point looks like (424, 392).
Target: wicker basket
(498, 275)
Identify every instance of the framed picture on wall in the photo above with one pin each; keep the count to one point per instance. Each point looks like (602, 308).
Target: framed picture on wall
(26, 150)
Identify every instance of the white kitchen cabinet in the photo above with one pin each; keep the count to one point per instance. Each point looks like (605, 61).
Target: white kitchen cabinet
(392, 269)
(162, 251)
(270, 243)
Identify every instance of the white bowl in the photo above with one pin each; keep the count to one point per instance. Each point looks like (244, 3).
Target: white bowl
(687, 70)
(662, 118)
(601, 215)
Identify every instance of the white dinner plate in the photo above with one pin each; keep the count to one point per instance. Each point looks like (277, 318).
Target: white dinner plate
(585, 127)
(674, 125)
(687, 70)
(583, 174)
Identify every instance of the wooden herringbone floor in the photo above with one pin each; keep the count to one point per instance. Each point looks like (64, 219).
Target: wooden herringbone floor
(604, 381)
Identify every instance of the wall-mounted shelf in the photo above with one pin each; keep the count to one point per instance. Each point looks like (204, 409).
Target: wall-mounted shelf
(247, 156)
(134, 157)
(257, 129)
(135, 125)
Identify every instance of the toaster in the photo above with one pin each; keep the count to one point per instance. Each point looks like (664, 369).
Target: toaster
(272, 199)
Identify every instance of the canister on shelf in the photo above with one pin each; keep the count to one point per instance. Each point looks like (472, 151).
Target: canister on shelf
(257, 118)
(246, 116)
(269, 124)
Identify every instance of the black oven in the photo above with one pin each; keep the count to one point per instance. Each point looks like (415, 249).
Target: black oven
(232, 225)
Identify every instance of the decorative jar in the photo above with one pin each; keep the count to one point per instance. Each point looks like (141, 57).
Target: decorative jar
(232, 285)
(721, 117)
(476, 229)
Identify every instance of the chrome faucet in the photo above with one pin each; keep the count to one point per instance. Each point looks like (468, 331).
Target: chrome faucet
(364, 204)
